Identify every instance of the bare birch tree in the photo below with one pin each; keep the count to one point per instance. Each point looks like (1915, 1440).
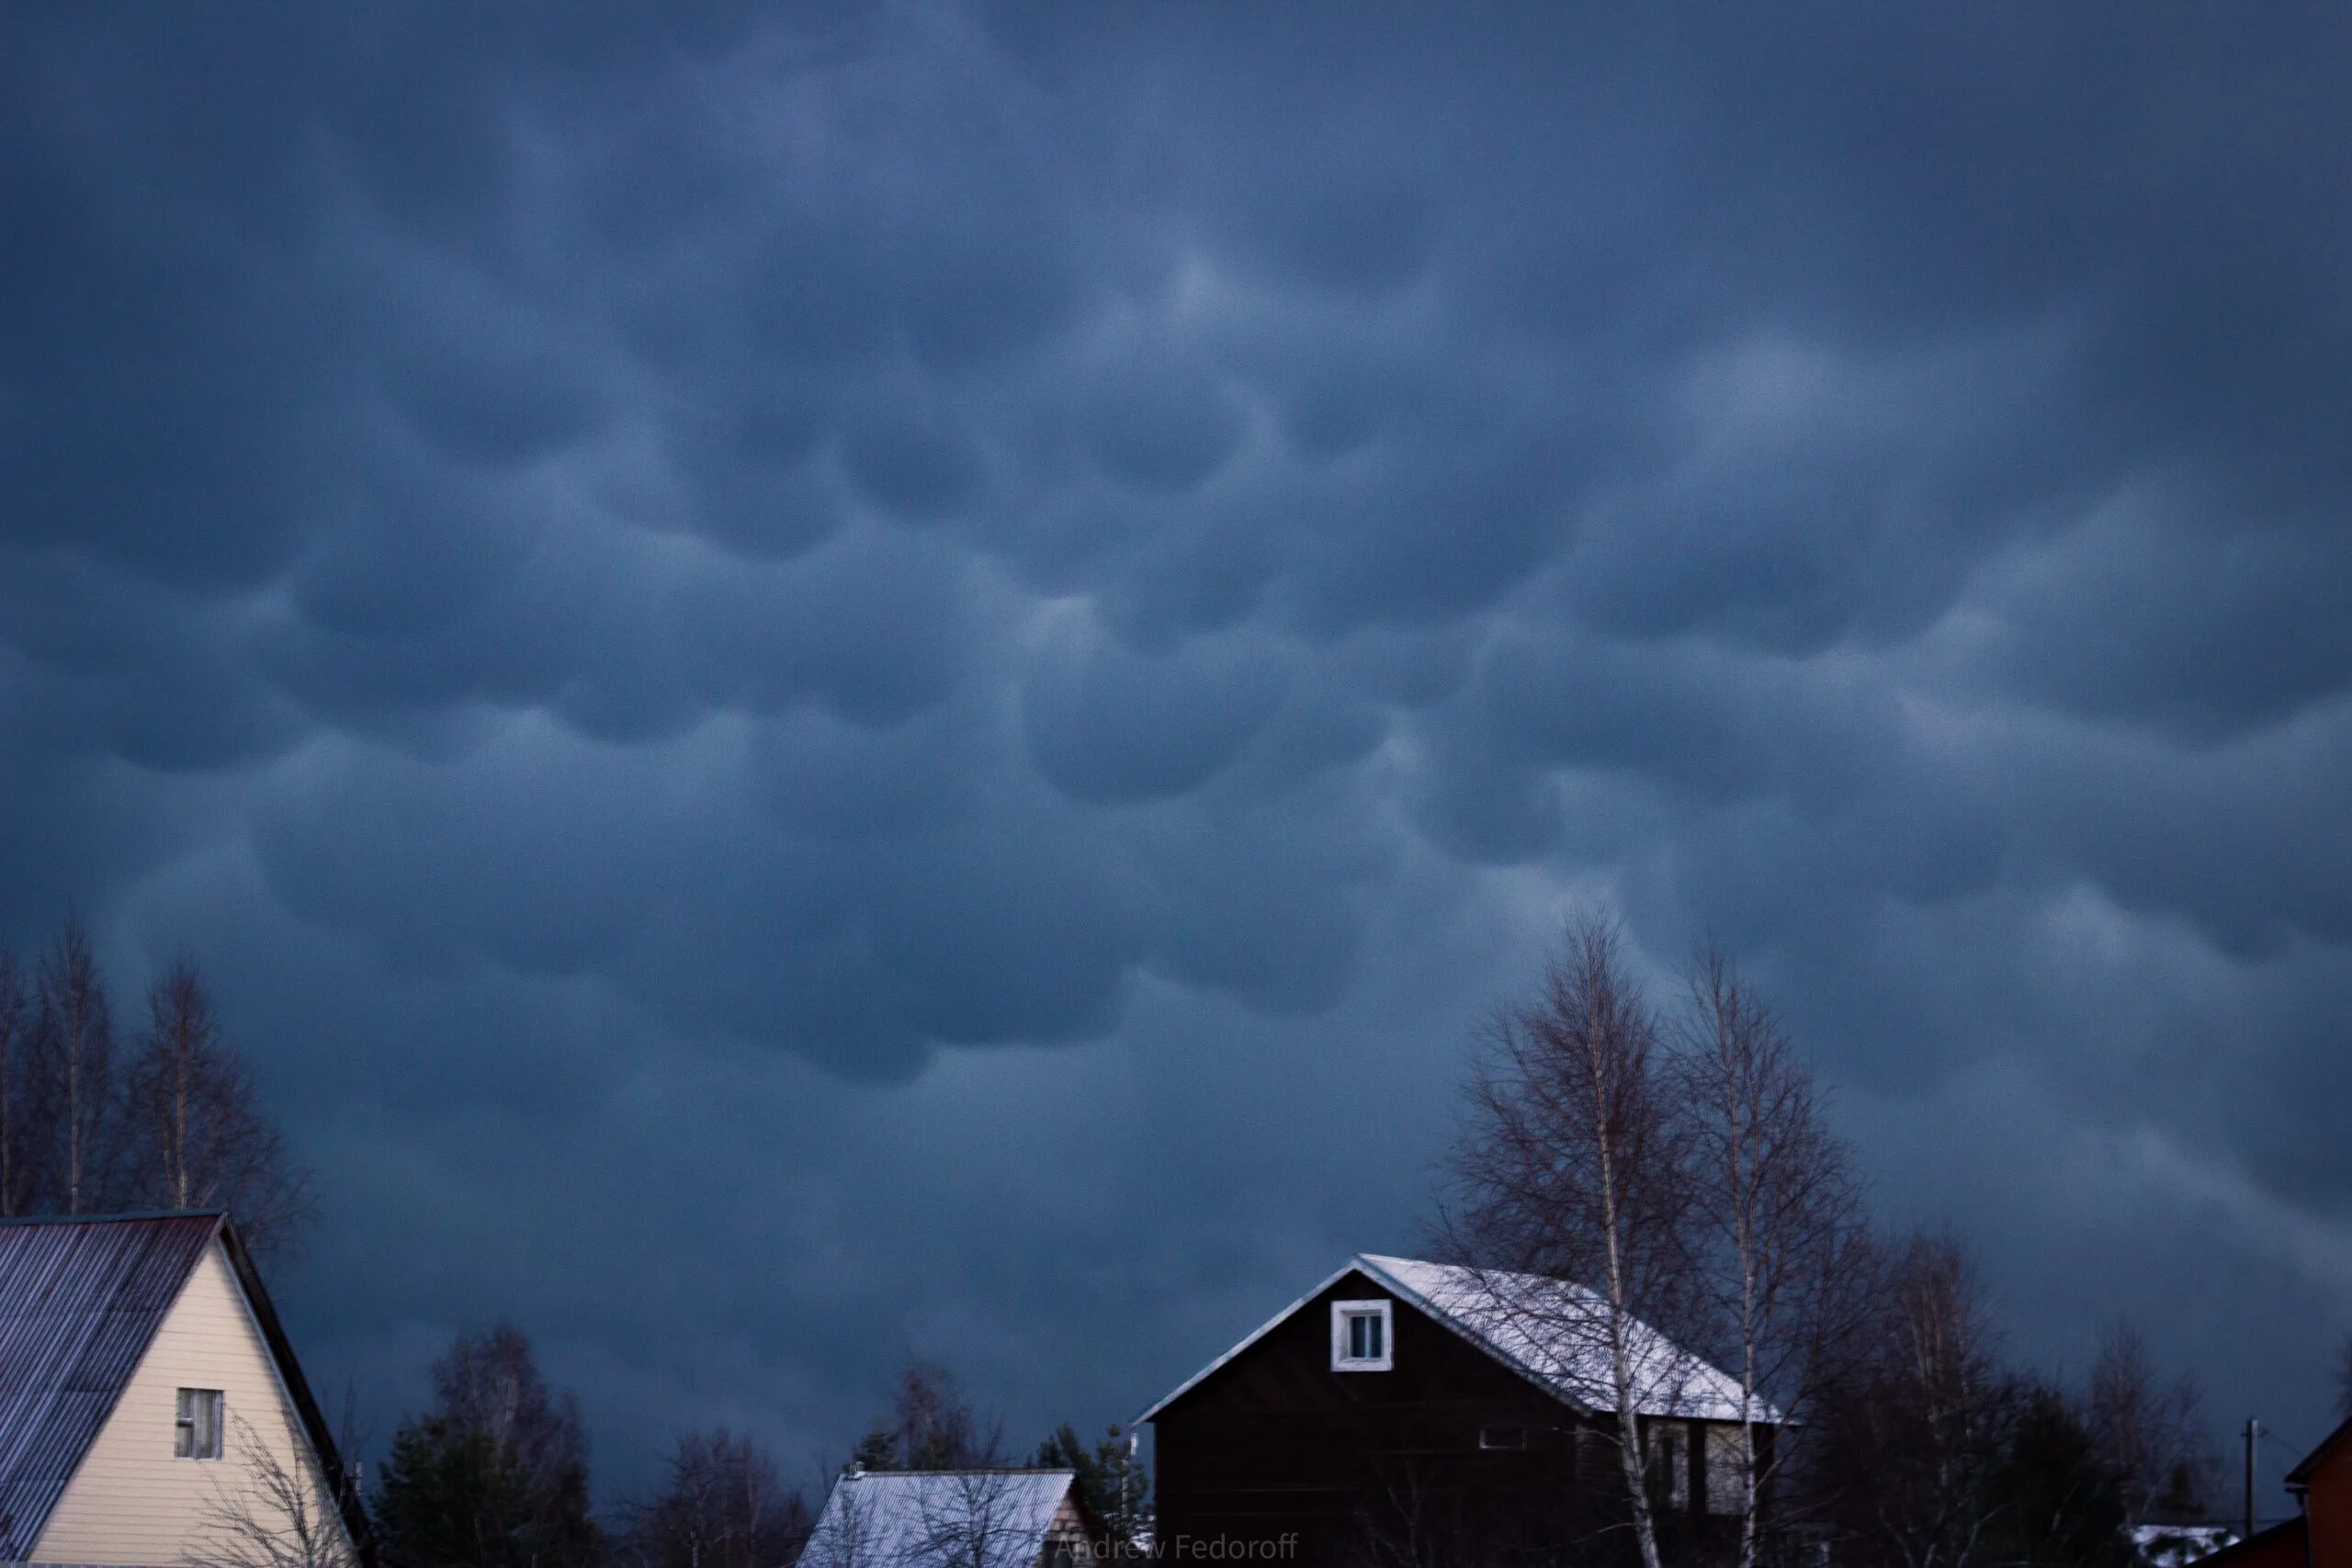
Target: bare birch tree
(264, 1512)
(1916, 1431)
(198, 1135)
(1779, 1216)
(971, 1519)
(723, 1505)
(74, 1054)
(2151, 1431)
(15, 1019)
(1572, 1166)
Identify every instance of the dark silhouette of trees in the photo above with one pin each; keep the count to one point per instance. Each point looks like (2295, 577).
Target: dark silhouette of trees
(721, 1505)
(1914, 1432)
(1779, 1241)
(2152, 1432)
(75, 1093)
(2058, 1499)
(1682, 1166)
(194, 1131)
(930, 1426)
(1114, 1482)
(1574, 1166)
(495, 1475)
(176, 1124)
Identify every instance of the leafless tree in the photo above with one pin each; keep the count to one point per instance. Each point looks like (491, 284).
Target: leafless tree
(1780, 1244)
(936, 1426)
(2152, 1432)
(1572, 1165)
(200, 1137)
(722, 1507)
(264, 1512)
(16, 1020)
(74, 1056)
(972, 1518)
(488, 1385)
(1915, 1432)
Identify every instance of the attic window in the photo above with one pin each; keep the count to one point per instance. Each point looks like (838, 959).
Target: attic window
(196, 1432)
(1359, 1338)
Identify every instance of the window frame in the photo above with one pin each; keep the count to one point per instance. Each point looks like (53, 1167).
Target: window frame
(1344, 1313)
(200, 1417)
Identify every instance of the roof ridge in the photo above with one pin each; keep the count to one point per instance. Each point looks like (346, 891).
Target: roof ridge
(124, 1217)
(974, 1469)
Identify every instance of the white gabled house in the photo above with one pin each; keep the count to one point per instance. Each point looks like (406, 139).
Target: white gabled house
(148, 1394)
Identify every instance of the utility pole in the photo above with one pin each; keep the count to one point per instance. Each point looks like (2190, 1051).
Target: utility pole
(2253, 1434)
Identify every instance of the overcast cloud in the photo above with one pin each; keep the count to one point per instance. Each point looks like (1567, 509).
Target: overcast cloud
(826, 683)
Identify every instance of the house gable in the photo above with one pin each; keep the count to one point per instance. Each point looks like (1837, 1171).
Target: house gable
(1284, 1370)
(131, 1500)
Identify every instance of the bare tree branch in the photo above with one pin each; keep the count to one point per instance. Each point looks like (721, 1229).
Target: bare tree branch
(1573, 1166)
(265, 1514)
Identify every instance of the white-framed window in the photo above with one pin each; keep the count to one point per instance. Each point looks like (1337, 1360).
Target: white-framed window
(1360, 1336)
(195, 1434)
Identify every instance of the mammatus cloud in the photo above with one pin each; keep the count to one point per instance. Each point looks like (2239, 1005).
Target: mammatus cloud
(922, 642)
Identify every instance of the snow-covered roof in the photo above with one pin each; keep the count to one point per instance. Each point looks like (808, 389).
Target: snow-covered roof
(2175, 1546)
(893, 1519)
(1549, 1331)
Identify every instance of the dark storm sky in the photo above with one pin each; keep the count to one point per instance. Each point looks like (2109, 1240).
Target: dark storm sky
(832, 684)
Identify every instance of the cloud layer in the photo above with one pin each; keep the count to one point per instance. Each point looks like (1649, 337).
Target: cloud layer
(915, 666)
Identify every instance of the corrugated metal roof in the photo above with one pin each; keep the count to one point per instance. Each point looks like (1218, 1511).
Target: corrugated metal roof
(79, 1302)
(999, 1517)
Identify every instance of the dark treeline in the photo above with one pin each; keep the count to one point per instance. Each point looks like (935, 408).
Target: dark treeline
(1676, 1157)
(103, 1111)
(494, 1475)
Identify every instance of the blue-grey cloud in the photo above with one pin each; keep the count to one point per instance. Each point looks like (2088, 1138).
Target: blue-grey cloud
(912, 643)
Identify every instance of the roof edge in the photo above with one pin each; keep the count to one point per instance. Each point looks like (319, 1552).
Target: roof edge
(2300, 1477)
(298, 1389)
(124, 1217)
(1350, 1267)
(1371, 1266)
(219, 1219)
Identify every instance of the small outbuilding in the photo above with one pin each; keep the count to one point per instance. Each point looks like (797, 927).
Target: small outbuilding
(952, 1519)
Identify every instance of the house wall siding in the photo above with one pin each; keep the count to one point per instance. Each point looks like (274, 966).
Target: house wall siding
(2327, 1506)
(131, 1501)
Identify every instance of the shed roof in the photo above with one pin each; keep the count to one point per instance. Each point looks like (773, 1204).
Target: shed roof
(80, 1301)
(1547, 1330)
(999, 1517)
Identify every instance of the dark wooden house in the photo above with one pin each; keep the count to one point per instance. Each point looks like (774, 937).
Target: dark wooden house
(1404, 1411)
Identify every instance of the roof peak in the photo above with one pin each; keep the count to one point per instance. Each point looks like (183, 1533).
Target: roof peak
(1517, 1319)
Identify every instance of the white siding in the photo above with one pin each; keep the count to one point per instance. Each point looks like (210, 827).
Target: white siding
(131, 1501)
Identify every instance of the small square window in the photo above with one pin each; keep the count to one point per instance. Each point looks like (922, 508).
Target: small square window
(195, 1434)
(1503, 1436)
(1360, 1338)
